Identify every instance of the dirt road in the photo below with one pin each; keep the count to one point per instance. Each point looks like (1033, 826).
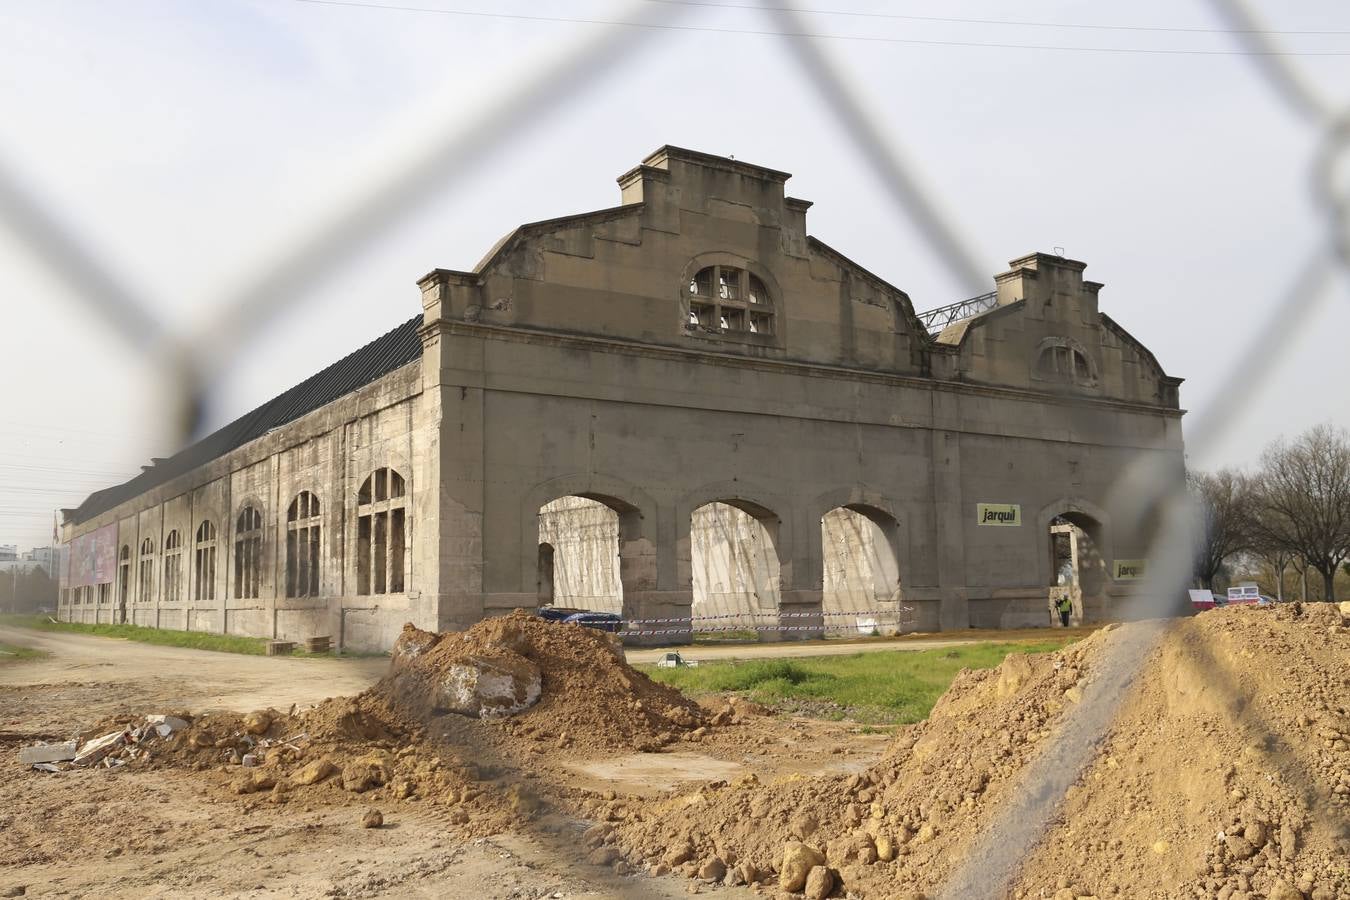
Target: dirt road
(107, 675)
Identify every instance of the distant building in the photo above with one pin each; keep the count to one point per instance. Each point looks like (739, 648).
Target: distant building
(37, 558)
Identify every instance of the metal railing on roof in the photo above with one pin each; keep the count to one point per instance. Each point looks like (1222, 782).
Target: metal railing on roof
(937, 319)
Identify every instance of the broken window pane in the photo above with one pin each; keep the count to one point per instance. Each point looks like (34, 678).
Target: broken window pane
(312, 588)
(729, 284)
(379, 540)
(292, 564)
(396, 552)
(758, 293)
(701, 285)
(363, 555)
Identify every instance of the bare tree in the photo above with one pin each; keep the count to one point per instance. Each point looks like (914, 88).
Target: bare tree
(1304, 499)
(1222, 501)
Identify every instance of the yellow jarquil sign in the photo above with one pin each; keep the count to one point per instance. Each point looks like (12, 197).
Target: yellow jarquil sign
(998, 513)
(1130, 569)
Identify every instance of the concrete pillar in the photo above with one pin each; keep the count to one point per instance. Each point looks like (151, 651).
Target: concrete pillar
(658, 591)
(949, 529)
(455, 517)
(802, 587)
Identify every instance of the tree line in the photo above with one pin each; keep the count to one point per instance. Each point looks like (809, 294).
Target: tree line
(27, 589)
(1292, 511)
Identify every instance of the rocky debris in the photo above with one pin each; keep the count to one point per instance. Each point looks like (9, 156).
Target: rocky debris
(714, 870)
(257, 723)
(48, 753)
(604, 856)
(370, 771)
(166, 725)
(94, 751)
(819, 883)
(253, 781)
(490, 687)
(798, 862)
(372, 819)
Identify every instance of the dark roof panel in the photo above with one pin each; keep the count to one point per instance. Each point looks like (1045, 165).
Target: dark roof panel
(381, 356)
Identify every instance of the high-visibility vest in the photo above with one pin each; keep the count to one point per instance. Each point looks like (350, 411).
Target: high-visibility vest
(1064, 605)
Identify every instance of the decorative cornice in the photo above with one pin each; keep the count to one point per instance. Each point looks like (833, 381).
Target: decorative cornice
(522, 335)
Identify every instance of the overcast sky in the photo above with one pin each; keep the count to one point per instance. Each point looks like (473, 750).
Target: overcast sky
(187, 143)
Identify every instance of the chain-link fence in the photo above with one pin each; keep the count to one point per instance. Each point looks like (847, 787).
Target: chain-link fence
(192, 361)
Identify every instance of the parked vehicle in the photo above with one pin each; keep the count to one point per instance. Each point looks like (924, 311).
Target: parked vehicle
(601, 621)
(1247, 592)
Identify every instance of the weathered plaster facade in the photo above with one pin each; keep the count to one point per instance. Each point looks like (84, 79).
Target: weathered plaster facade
(596, 356)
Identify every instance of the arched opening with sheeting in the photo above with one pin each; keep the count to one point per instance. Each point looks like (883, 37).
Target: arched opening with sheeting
(734, 563)
(861, 569)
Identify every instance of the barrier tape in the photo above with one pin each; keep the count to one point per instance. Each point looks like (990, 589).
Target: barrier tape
(651, 632)
(774, 615)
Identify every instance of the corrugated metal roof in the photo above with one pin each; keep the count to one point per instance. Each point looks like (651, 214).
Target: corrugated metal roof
(380, 357)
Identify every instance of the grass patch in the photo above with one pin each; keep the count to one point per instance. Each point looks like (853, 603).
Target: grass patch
(871, 686)
(196, 640)
(193, 640)
(11, 653)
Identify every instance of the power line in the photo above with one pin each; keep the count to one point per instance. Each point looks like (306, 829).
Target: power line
(1020, 23)
(57, 469)
(832, 37)
(26, 489)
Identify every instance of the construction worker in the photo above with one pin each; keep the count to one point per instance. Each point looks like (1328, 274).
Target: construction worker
(1065, 608)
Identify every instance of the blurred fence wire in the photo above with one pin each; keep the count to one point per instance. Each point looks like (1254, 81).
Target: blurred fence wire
(381, 198)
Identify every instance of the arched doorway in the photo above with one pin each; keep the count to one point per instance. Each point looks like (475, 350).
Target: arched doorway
(861, 571)
(1077, 568)
(734, 564)
(579, 555)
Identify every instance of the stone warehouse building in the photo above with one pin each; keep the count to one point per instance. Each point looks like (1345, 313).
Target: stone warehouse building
(681, 403)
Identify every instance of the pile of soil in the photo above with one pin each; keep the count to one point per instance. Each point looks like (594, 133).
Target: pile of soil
(1225, 773)
(591, 700)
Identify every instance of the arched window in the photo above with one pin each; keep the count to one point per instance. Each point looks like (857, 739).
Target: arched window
(146, 575)
(124, 573)
(302, 546)
(248, 533)
(1063, 363)
(204, 562)
(173, 568)
(728, 300)
(380, 533)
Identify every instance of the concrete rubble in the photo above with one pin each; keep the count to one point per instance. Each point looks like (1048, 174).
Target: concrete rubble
(47, 753)
(111, 749)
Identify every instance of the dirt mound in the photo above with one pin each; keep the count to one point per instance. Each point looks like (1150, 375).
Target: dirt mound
(1224, 774)
(588, 698)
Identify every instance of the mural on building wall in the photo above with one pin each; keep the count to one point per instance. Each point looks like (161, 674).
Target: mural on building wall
(92, 558)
